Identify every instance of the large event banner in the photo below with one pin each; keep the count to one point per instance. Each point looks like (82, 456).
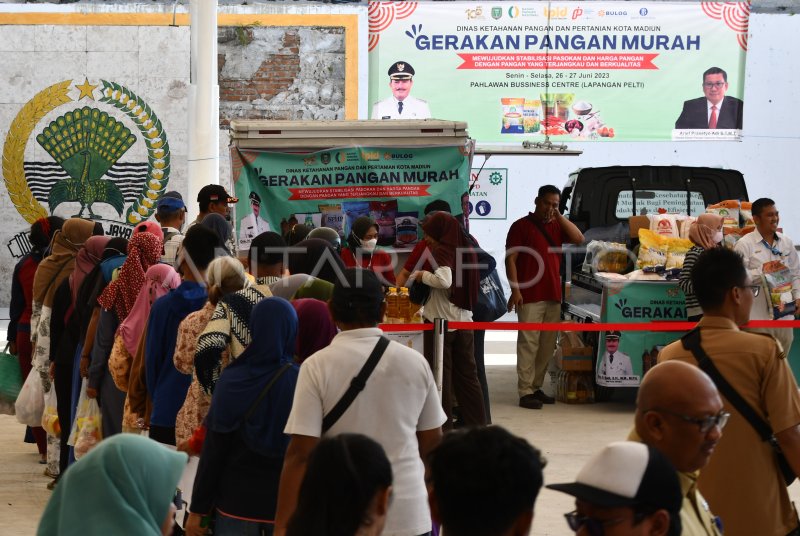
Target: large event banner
(584, 71)
(332, 188)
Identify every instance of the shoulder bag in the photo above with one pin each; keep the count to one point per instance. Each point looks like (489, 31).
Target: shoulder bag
(264, 392)
(356, 385)
(691, 342)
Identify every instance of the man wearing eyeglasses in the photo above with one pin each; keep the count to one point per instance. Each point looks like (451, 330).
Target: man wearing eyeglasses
(764, 245)
(627, 489)
(714, 109)
(685, 425)
(742, 481)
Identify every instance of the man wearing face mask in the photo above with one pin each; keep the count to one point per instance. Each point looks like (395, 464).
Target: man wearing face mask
(705, 233)
(361, 251)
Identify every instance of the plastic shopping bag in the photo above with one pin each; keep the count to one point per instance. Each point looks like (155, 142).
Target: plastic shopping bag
(87, 428)
(50, 414)
(30, 402)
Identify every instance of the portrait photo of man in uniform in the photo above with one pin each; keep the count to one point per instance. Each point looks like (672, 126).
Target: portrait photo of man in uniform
(401, 105)
(714, 109)
(253, 224)
(615, 364)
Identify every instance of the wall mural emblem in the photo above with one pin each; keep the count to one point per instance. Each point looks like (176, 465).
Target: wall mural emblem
(85, 145)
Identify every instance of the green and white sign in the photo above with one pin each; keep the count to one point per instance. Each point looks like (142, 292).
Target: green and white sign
(488, 194)
(332, 188)
(622, 361)
(583, 71)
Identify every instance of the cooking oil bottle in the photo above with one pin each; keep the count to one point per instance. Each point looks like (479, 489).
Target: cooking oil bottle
(392, 306)
(404, 306)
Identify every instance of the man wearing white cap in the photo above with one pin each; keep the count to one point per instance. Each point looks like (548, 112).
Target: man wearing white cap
(627, 489)
(401, 105)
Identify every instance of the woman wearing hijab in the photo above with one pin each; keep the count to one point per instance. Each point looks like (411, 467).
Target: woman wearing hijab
(90, 283)
(316, 257)
(86, 306)
(126, 363)
(705, 233)
(219, 225)
(64, 336)
(316, 328)
(52, 271)
(117, 301)
(240, 466)
(452, 297)
(225, 276)
(18, 334)
(125, 484)
(360, 251)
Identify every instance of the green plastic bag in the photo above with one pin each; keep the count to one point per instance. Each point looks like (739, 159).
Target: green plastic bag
(10, 377)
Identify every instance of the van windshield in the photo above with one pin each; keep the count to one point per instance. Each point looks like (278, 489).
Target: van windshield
(648, 202)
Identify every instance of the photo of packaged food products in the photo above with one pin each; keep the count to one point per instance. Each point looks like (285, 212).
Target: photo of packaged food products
(384, 214)
(512, 115)
(406, 224)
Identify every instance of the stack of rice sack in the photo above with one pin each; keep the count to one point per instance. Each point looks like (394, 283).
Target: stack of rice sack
(737, 219)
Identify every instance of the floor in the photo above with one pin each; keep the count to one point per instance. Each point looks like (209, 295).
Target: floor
(567, 435)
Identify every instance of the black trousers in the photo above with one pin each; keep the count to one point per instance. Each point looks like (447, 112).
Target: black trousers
(459, 377)
(62, 383)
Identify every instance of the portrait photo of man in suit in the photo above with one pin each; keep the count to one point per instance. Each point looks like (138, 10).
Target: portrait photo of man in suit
(714, 109)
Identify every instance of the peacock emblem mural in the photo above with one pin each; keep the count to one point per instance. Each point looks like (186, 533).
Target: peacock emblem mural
(86, 143)
(91, 137)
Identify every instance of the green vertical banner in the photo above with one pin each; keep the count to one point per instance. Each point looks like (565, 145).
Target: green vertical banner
(332, 188)
(573, 71)
(634, 352)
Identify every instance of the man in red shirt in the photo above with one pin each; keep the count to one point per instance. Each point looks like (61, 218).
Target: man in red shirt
(533, 267)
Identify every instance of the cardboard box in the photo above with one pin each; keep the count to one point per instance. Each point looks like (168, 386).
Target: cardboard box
(636, 223)
(577, 359)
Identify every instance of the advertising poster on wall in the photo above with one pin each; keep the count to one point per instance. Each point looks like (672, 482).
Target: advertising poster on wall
(596, 71)
(488, 194)
(332, 188)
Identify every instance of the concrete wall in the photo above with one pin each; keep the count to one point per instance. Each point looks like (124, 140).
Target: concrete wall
(266, 71)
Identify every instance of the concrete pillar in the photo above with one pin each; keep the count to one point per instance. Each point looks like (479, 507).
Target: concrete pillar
(203, 102)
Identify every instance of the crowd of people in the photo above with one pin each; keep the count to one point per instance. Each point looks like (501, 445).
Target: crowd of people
(270, 368)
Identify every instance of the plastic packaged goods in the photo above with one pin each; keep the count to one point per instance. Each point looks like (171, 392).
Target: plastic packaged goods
(664, 224)
(746, 214)
(729, 210)
(392, 306)
(652, 250)
(404, 306)
(677, 248)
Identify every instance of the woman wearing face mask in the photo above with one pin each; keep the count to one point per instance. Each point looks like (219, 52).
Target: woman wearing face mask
(705, 233)
(361, 251)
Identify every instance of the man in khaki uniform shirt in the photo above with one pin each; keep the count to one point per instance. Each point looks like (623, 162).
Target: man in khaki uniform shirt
(685, 425)
(742, 481)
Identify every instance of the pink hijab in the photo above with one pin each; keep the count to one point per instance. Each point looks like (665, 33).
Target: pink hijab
(159, 279)
(702, 231)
